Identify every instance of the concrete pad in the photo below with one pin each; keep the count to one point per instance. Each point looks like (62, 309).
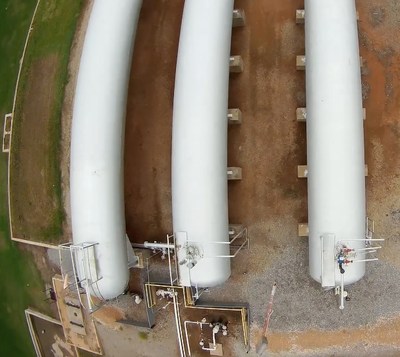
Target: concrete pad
(302, 171)
(65, 298)
(302, 230)
(301, 63)
(140, 262)
(301, 114)
(235, 64)
(234, 173)
(239, 18)
(218, 351)
(234, 116)
(300, 16)
(235, 229)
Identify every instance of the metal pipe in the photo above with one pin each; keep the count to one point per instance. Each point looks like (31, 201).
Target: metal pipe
(157, 245)
(178, 324)
(341, 307)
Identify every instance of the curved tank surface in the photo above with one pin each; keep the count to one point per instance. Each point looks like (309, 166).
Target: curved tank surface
(199, 143)
(335, 138)
(96, 171)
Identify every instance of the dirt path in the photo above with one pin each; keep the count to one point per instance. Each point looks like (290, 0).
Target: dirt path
(149, 120)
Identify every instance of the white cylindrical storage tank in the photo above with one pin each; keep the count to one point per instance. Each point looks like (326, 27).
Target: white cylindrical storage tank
(96, 172)
(335, 137)
(199, 142)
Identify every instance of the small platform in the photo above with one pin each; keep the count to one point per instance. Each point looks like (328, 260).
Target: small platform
(300, 16)
(218, 351)
(239, 18)
(234, 173)
(78, 325)
(301, 114)
(234, 116)
(301, 63)
(235, 64)
(302, 230)
(235, 229)
(140, 261)
(302, 171)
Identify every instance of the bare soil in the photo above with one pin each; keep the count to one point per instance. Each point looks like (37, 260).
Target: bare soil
(149, 121)
(31, 199)
(269, 145)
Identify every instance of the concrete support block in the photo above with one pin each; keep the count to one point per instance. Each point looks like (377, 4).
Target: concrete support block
(235, 64)
(216, 350)
(301, 63)
(302, 171)
(235, 229)
(140, 261)
(301, 114)
(302, 230)
(234, 173)
(234, 116)
(239, 18)
(300, 16)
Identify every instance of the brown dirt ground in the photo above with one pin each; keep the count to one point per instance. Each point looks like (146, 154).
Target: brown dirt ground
(32, 201)
(378, 31)
(270, 200)
(149, 120)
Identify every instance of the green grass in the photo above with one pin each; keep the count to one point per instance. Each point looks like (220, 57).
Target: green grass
(53, 32)
(20, 282)
(16, 268)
